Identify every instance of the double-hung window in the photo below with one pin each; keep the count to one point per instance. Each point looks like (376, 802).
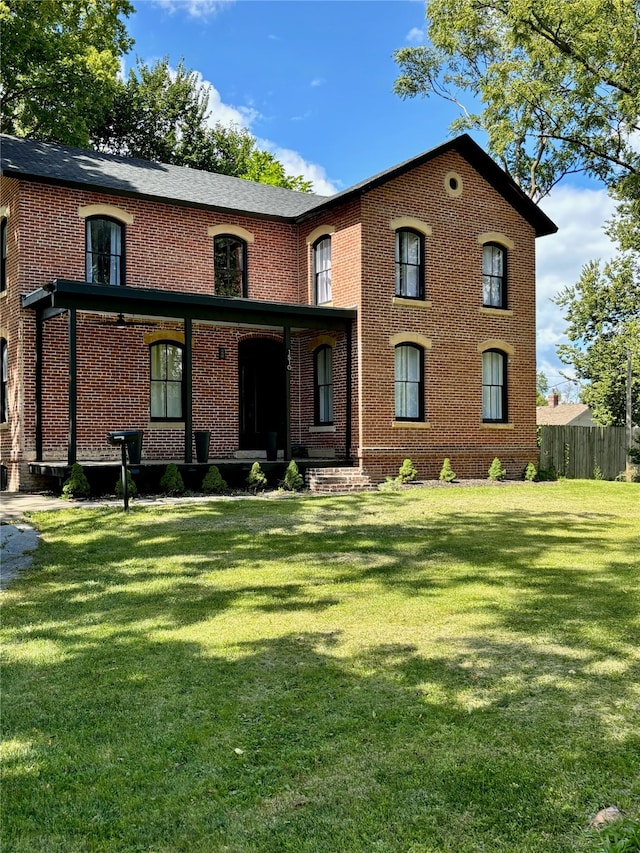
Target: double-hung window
(494, 386)
(409, 264)
(230, 265)
(104, 251)
(409, 382)
(3, 255)
(4, 383)
(494, 276)
(322, 270)
(167, 387)
(323, 376)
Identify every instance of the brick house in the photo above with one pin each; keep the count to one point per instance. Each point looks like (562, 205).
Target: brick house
(394, 319)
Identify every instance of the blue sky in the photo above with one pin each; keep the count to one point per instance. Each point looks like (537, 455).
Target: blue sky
(313, 82)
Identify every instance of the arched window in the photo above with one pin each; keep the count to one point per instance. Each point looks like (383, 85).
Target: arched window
(104, 250)
(230, 265)
(167, 387)
(323, 384)
(494, 276)
(494, 386)
(409, 382)
(4, 382)
(409, 264)
(3, 254)
(322, 270)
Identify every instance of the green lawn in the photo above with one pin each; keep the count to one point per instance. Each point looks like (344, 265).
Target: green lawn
(432, 670)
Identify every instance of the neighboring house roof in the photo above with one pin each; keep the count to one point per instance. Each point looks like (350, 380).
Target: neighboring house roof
(566, 414)
(27, 159)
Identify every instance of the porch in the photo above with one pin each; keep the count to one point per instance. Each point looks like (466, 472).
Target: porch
(70, 305)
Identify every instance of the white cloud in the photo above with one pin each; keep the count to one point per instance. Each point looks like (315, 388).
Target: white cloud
(580, 215)
(194, 8)
(295, 164)
(318, 81)
(243, 116)
(415, 35)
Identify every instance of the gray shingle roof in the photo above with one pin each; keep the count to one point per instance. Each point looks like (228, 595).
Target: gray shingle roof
(31, 160)
(28, 159)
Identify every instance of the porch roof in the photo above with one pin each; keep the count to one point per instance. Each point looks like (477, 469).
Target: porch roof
(62, 294)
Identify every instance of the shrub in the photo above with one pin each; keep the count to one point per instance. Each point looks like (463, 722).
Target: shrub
(407, 472)
(214, 483)
(447, 474)
(76, 485)
(293, 479)
(391, 484)
(132, 489)
(530, 473)
(256, 480)
(547, 474)
(496, 471)
(171, 481)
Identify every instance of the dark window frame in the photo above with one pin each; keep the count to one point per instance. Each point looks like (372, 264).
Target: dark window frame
(501, 279)
(225, 273)
(3, 254)
(319, 387)
(166, 382)
(4, 381)
(121, 257)
(503, 388)
(401, 265)
(317, 272)
(420, 383)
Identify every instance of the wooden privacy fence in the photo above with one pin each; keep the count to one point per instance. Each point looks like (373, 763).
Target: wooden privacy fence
(585, 453)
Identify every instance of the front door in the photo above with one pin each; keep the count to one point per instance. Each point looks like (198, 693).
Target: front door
(262, 392)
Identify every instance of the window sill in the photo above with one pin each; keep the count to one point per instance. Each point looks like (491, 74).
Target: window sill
(401, 302)
(496, 426)
(410, 425)
(165, 425)
(328, 304)
(496, 312)
(326, 428)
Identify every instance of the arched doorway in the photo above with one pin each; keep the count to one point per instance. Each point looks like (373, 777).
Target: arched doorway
(261, 364)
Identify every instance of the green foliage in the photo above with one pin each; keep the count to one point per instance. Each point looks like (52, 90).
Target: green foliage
(447, 474)
(603, 314)
(556, 97)
(634, 451)
(621, 836)
(76, 485)
(407, 472)
(213, 482)
(256, 480)
(160, 113)
(293, 479)
(132, 489)
(530, 473)
(496, 471)
(171, 481)
(59, 64)
(391, 484)
(542, 387)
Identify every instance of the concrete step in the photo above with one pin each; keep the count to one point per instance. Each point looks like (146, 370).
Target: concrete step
(336, 479)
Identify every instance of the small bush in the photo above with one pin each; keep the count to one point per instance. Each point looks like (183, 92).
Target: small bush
(530, 473)
(622, 836)
(256, 480)
(171, 481)
(407, 472)
(447, 474)
(76, 485)
(391, 484)
(214, 483)
(597, 472)
(547, 475)
(293, 479)
(132, 489)
(496, 471)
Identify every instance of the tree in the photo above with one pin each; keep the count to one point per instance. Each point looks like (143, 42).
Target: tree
(542, 387)
(162, 114)
(58, 65)
(557, 94)
(603, 314)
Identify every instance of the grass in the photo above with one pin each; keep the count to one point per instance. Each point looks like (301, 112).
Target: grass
(422, 671)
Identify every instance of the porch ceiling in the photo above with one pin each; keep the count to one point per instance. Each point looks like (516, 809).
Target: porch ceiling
(63, 294)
